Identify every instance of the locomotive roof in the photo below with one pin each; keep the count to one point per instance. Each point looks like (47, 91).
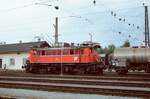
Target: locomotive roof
(22, 47)
(59, 48)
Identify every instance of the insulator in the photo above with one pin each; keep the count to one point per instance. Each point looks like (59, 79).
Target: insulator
(143, 4)
(94, 2)
(124, 20)
(56, 7)
(133, 25)
(129, 36)
(112, 13)
(86, 20)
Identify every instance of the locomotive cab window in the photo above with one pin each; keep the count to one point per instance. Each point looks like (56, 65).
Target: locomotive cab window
(34, 52)
(82, 51)
(38, 53)
(91, 50)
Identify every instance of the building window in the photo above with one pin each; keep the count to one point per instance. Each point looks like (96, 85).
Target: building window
(24, 61)
(12, 61)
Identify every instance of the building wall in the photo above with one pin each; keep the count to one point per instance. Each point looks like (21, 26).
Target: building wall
(18, 57)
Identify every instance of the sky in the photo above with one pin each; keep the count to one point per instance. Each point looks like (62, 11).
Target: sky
(25, 19)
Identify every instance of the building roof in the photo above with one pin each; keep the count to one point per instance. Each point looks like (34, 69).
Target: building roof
(22, 47)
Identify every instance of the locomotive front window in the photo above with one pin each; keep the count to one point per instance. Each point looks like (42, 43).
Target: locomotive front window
(95, 49)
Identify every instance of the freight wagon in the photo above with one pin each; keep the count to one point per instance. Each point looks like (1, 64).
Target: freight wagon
(124, 59)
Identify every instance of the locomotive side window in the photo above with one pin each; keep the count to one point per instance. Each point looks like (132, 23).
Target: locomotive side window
(48, 52)
(76, 51)
(43, 52)
(59, 52)
(53, 52)
(65, 52)
(71, 51)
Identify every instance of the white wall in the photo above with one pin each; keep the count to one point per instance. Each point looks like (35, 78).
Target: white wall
(18, 60)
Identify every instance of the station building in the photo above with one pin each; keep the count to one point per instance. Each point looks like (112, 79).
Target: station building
(14, 56)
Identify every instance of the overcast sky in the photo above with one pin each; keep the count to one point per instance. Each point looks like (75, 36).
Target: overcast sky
(23, 20)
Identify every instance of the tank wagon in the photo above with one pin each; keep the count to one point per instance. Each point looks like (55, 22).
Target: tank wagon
(67, 60)
(124, 59)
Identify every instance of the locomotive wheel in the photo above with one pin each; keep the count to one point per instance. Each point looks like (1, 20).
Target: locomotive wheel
(69, 70)
(99, 71)
(27, 70)
(122, 71)
(42, 69)
(147, 70)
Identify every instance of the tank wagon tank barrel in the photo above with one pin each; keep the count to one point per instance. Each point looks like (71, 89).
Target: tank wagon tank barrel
(125, 59)
(135, 55)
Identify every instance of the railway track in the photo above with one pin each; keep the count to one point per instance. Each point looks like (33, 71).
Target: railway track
(107, 75)
(95, 86)
(80, 81)
(82, 77)
(94, 89)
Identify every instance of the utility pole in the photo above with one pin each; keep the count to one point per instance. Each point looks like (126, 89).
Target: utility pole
(56, 23)
(147, 41)
(56, 31)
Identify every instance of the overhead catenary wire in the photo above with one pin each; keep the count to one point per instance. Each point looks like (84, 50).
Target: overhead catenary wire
(78, 16)
(91, 13)
(82, 14)
(20, 7)
(86, 7)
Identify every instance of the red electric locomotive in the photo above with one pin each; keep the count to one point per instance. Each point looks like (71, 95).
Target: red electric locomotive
(67, 60)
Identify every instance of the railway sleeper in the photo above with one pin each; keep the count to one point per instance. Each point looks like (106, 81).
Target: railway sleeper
(121, 70)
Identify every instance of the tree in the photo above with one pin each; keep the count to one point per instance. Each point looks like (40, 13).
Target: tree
(126, 44)
(100, 50)
(111, 48)
(107, 50)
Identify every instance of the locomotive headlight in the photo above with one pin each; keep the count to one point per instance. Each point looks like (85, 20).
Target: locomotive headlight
(75, 58)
